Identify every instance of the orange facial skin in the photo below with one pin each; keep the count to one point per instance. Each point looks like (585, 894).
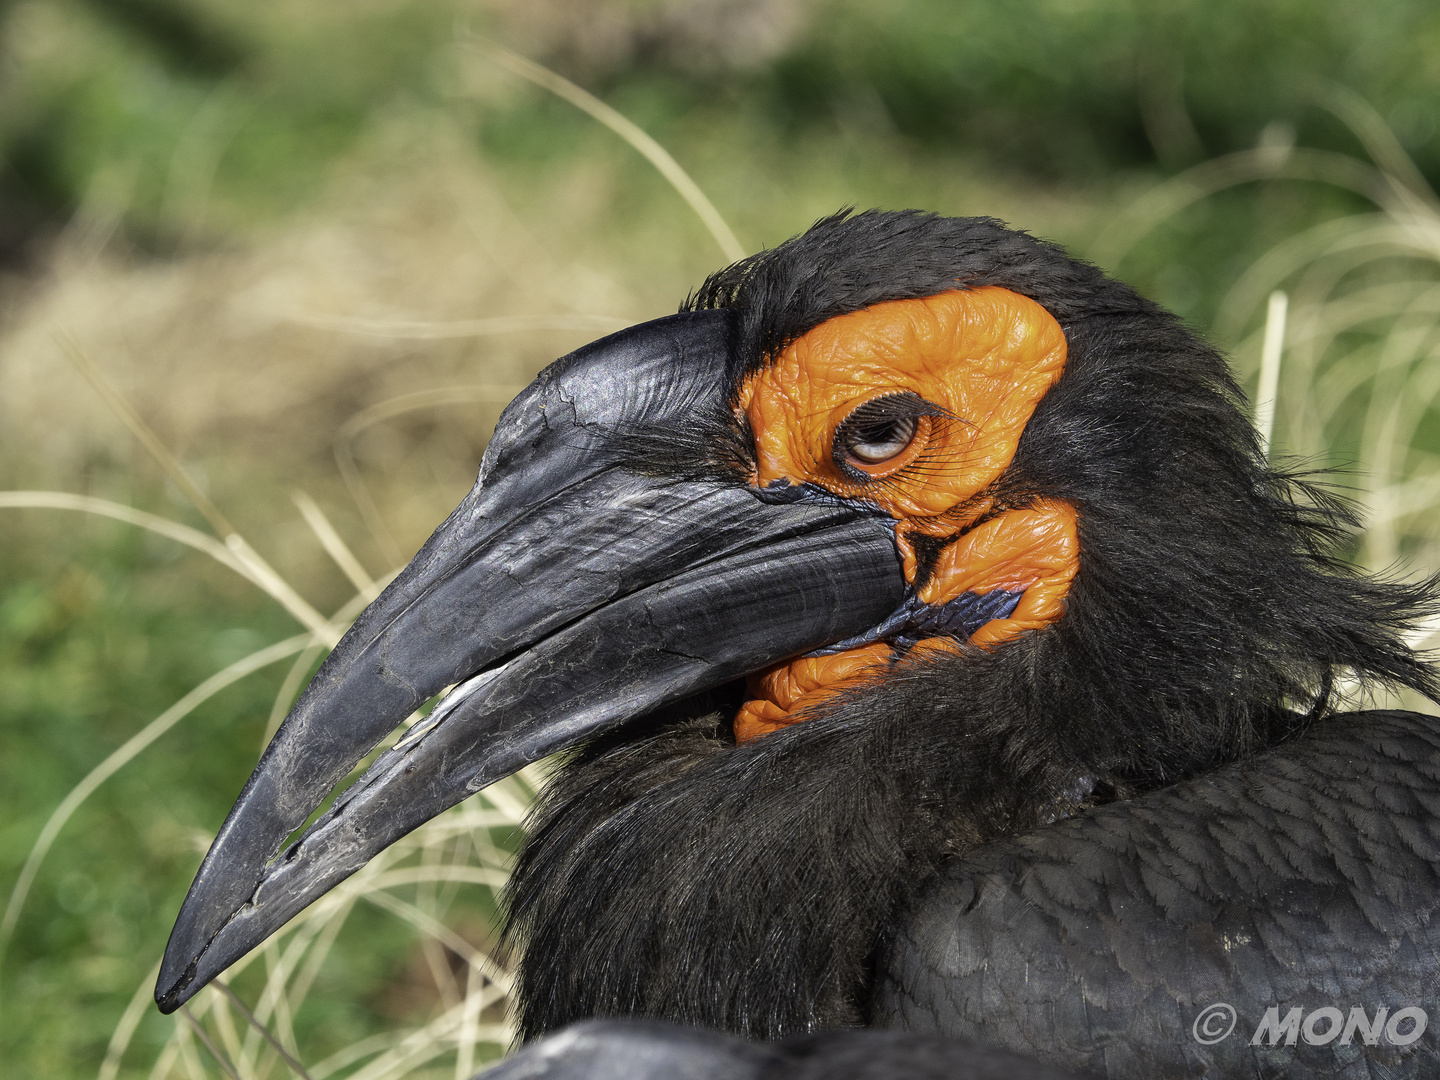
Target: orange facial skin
(983, 359)
(1034, 551)
(776, 691)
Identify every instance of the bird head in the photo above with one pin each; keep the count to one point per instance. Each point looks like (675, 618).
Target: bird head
(925, 487)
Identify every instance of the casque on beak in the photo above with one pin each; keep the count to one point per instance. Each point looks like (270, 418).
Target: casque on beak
(583, 582)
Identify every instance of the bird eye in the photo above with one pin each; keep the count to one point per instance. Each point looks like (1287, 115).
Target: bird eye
(876, 442)
(882, 434)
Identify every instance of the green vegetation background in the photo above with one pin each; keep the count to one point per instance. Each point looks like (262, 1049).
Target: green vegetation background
(1054, 114)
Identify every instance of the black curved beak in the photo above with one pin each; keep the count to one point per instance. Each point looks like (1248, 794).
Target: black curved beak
(584, 581)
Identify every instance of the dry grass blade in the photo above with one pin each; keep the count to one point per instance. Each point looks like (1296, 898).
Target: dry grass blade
(334, 546)
(469, 1027)
(215, 1052)
(264, 1031)
(265, 576)
(653, 152)
(428, 924)
(88, 504)
(1362, 374)
(453, 849)
(458, 1028)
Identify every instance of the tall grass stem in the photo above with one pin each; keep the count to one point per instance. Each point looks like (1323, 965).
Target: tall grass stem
(1270, 353)
(652, 151)
(334, 546)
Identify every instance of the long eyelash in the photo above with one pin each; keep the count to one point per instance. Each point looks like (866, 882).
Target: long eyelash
(900, 405)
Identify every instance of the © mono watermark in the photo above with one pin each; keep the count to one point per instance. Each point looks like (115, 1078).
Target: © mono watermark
(1319, 1027)
(1214, 1024)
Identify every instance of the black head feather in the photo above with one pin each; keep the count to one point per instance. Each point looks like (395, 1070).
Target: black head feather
(847, 262)
(671, 873)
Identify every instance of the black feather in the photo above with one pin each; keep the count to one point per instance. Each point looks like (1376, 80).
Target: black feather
(1151, 911)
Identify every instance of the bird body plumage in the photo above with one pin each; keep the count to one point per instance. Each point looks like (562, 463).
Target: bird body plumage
(1306, 877)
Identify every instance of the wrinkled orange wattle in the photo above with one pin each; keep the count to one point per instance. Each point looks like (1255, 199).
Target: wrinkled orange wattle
(984, 356)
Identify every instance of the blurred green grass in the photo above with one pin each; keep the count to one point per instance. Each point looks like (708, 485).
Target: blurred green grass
(184, 184)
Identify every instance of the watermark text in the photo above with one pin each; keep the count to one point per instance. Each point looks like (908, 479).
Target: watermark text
(1316, 1027)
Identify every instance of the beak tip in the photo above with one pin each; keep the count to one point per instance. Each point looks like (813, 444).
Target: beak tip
(171, 993)
(181, 976)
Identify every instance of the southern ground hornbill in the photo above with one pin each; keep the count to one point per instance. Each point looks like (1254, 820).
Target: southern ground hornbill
(933, 649)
